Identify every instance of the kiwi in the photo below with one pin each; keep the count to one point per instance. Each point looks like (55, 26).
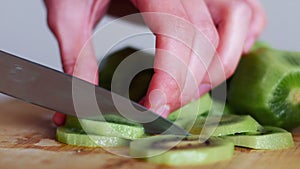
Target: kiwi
(192, 109)
(260, 44)
(188, 113)
(139, 84)
(266, 86)
(220, 108)
(271, 138)
(73, 136)
(112, 118)
(204, 106)
(224, 125)
(202, 112)
(116, 126)
(178, 150)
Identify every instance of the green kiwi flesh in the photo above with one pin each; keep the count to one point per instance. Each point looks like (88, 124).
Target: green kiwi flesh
(224, 125)
(192, 109)
(78, 137)
(271, 138)
(114, 127)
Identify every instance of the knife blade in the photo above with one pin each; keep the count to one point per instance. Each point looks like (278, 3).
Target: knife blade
(54, 90)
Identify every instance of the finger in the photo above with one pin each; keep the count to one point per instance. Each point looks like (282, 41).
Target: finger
(72, 23)
(176, 40)
(204, 46)
(257, 25)
(170, 66)
(233, 19)
(172, 56)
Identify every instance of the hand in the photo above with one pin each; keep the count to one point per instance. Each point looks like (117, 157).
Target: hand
(231, 26)
(72, 23)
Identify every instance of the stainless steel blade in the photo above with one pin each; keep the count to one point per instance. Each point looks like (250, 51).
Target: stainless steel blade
(60, 92)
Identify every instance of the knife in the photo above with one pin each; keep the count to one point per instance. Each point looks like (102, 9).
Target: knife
(54, 90)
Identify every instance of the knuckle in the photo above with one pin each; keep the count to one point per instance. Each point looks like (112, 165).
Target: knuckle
(172, 84)
(166, 81)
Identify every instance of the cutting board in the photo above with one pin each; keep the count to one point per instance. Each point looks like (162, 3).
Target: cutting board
(27, 140)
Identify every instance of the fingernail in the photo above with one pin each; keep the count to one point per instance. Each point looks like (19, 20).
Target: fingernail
(203, 88)
(163, 110)
(249, 43)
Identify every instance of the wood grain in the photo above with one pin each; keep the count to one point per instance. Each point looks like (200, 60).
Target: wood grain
(27, 140)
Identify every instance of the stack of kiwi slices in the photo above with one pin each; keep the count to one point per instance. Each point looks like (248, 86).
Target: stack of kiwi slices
(213, 137)
(112, 131)
(181, 150)
(242, 130)
(263, 95)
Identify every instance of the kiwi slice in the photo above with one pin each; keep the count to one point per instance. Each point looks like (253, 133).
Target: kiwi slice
(78, 137)
(178, 150)
(192, 109)
(116, 126)
(225, 125)
(187, 115)
(266, 86)
(271, 138)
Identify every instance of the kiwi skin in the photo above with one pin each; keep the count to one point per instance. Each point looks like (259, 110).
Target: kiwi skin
(262, 84)
(139, 84)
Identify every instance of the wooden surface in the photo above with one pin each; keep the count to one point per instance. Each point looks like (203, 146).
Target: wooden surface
(27, 140)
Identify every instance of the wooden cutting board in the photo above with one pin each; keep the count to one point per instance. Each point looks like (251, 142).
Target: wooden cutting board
(27, 140)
